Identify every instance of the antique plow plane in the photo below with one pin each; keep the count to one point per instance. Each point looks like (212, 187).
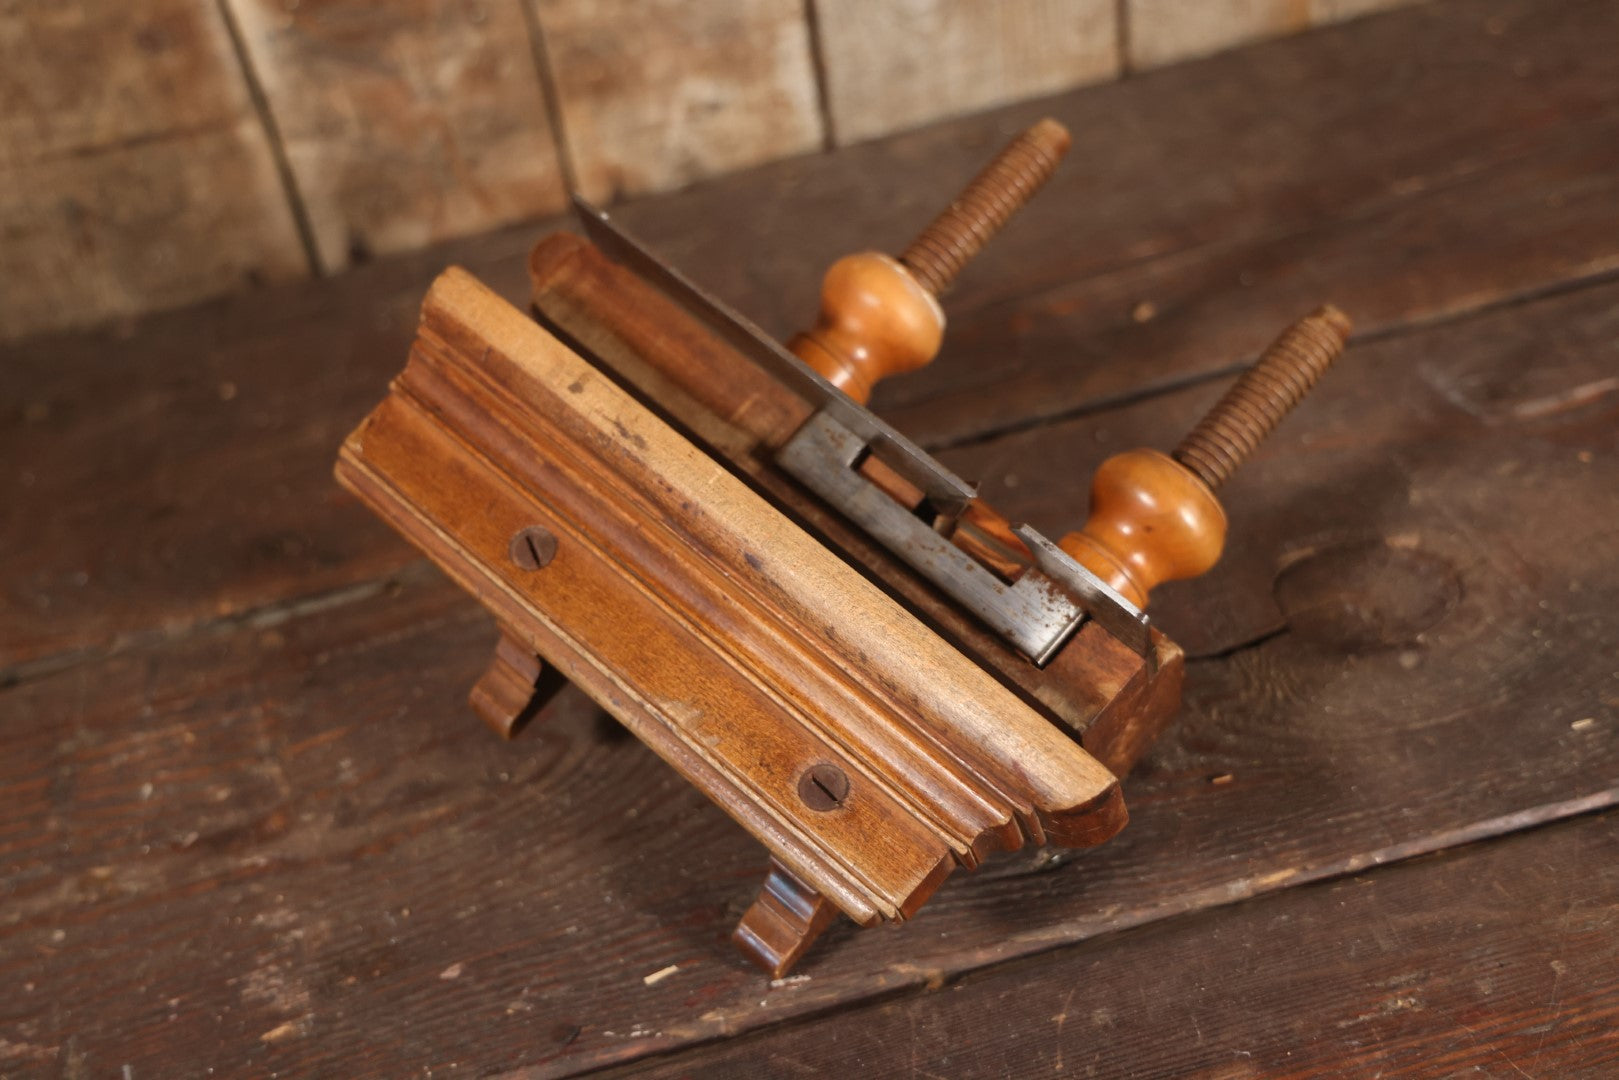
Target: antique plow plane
(813, 621)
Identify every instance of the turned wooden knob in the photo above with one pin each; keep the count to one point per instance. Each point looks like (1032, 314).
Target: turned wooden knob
(1151, 520)
(875, 321)
(1154, 518)
(858, 340)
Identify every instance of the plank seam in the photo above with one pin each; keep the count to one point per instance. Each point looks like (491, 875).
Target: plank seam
(17, 674)
(551, 101)
(1121, 38)
(823, 85)
(272, 134)
(914, 982)
(1147, 392)
(262, 617)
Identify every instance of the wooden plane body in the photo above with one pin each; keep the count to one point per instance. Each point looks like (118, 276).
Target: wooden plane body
(608, 486)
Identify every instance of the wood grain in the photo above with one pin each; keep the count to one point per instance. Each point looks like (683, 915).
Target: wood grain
(1326, 11)
(1364, 197)
(894, 66)
(1497, 960)
(404, 123)
(1528, 206)
(147, 185)
(733, 643)
(1527, 390)
(336, 870)
(1096, 686)
(399, 125)
(655, 95)
(1446, 675)
(1435, 257)
(215, 477)
(1165, 31)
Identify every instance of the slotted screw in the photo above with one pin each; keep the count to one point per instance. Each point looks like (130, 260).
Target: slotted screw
(1264, 394)
(823, 787)
(532, 548)
(995, 194)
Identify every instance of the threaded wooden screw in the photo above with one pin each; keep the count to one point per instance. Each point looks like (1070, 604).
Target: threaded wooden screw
(1264, 394)
(995, 194)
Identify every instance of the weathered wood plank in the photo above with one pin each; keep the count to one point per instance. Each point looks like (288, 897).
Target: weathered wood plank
(1169, 31)
(1261, 168)
(656, 95)
(301, 365)
(404, 123)
(1545, 221)
(1327, 11)
(1164, 31)
(1498, 960)
(1446, 673)
(143, 60)
(894, 66)
(1178, 159)
(1496, 415)
(134, 172)
(191, 481)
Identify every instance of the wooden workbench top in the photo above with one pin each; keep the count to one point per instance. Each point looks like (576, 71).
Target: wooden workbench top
(251, 827)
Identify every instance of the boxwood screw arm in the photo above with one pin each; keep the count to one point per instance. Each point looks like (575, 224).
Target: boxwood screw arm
(1154, 517)
(880, 316)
